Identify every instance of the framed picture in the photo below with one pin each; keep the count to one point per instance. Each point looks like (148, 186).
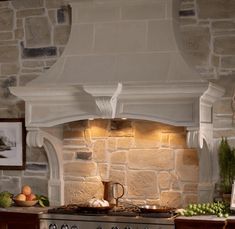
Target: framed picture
(12, 144)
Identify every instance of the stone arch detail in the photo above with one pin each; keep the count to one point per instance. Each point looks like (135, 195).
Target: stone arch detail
(53, 148)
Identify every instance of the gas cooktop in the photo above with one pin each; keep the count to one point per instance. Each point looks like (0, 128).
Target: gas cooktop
(130, 211)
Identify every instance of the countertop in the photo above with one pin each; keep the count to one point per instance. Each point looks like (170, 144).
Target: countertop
(28, 210)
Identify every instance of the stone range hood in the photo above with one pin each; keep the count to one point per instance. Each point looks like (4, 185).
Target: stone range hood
(122, 60)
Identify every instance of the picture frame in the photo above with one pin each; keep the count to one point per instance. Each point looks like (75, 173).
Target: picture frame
(12, 144)
(232, 203)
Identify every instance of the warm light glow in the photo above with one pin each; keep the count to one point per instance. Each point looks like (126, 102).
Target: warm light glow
(124, 118)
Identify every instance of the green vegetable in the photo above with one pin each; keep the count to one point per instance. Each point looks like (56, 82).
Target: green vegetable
(221, 209)
(43, 201)
(5, 199)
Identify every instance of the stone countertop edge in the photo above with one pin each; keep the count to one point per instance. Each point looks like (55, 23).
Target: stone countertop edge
(205, 218)
(28, 210)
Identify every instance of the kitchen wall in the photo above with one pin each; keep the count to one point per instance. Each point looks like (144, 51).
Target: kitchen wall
(150, 159)
(32, 37)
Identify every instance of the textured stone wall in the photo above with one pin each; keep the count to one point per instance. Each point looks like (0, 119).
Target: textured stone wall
(150, 159)
(208, 31)
(33, 34)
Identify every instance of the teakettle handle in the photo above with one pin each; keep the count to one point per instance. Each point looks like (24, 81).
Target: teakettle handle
(117, 183)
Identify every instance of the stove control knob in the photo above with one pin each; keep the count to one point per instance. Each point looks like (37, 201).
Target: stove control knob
(64, 226)
(74, 227)
(52, 226)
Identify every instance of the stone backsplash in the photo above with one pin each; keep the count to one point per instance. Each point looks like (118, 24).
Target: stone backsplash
(150, 159)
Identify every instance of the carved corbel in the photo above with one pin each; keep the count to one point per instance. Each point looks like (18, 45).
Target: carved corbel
(105, 98)
(34, 138)
(193, 138)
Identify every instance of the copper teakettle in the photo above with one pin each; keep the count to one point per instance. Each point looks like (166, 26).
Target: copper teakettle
(113, 191)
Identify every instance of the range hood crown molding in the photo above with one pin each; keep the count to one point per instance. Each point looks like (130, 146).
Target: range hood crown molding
(120, 62)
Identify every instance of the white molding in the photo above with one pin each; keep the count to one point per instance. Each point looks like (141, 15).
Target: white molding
(53, 147)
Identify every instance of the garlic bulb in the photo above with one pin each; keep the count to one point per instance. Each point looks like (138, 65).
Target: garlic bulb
(98, 203)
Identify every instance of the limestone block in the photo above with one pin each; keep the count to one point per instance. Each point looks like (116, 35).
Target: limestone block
(164, 41)
(52, 16)
(77, 192)
(178, 140)
(75, 130)
(225, 133)
(19, 33)
(99, 151)
(79, 142)
(118, 176)
(6, 35)
(111, 144)
(187, 165)
(121, 128)
(68, 156)
(215, 60)
(9, 54)
(61, 34)
(39, 185)
(32, 63)
(99, 128)
(187, 21)
(141, 184)
(83, 154)
(171, 199)
(83, 41)
(24, 79)
(215, 9)
(10, 184)
(224, 45)
(144, 10)
(4, 4)
(195, 38)
(6, 19)
(37, 32)
(119, 157)
(190, 187)
(222, 122)
(35, 154)
(228, 62)
(222, 106)
(98, 13)
(189, 199)
(54, 3)
(24, 4)
(223, 25)
(164, 180)
(80, 168)
(120, 36)
(157, 159)
(125, 143)
(198, 58)
(49, 63)
(151, 134)
(30, 12)
(36, 169)
(103, 170)
(19, 23)
(165, 139)
(9, 69)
